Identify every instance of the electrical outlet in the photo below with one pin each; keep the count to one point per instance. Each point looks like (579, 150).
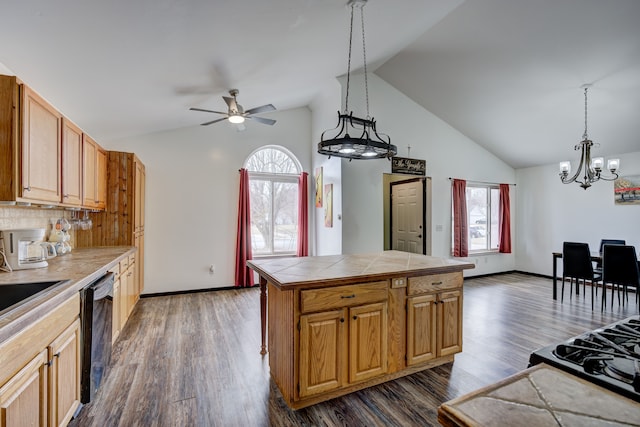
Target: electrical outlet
(212, 269)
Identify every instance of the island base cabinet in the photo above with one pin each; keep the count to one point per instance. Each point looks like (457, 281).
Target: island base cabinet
(323, 344)
(434, 326)
(327, 353)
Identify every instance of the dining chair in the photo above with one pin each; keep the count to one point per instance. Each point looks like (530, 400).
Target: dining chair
(598, 267)
(576, 264)
(620, 269)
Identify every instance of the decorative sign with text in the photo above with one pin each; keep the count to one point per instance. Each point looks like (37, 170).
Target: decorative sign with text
(408, 166)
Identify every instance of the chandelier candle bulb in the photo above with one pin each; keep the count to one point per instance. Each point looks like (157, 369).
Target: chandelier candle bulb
(565, 168)
(598, 162)
(613, 165)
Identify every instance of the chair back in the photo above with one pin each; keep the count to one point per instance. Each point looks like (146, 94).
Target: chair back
(620, 265)
(576, 260)
(610, 242)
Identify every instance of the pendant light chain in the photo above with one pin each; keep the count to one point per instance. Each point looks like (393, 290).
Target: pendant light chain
(585, 136)
(346, 98)
(364, 55)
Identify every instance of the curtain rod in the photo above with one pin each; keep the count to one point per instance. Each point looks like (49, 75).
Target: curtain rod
(484, 182)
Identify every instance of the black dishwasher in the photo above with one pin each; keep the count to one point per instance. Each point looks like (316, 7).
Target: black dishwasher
(96, 301)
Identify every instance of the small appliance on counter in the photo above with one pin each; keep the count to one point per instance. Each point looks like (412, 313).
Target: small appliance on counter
(23, 249)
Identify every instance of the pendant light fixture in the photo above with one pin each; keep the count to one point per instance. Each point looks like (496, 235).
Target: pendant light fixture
(592, 168)
(355, 137)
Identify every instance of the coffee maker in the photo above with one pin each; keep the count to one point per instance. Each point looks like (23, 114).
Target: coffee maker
(23, 249)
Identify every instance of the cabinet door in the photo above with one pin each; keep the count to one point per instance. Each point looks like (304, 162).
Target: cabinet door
(124, 297)
(450, 321)
(71, 163)
(421, 329)
(89, 153)
(101, 178)
(41, 149)
(23, 399)
(64, 375)
(139, 197)
(323, 348)
(367, 341)
(115, 322)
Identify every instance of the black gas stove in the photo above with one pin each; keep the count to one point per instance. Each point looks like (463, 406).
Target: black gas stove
(608, 356)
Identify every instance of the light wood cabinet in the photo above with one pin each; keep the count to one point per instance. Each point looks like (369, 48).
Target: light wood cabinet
(64, 375)
(41, 149)
(42, 158)
(94, 173)
(23, 399)
(116, 326)
(71, 164)
(41, 382)
(434, 320)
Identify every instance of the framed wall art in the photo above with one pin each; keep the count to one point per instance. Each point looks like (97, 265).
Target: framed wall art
(328, 205)
(318, 177)
(626, 190)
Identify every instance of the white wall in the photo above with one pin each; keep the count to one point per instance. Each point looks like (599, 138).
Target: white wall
(447, 152)
(550, 213)
(192, 195)
(327, 240)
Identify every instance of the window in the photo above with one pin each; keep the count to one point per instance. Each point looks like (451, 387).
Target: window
(273, 192)
(483, 207)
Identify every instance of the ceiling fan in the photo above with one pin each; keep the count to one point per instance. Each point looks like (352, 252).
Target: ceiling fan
(236, 113)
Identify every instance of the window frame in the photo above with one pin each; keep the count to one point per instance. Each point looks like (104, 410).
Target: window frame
(489, 233)
(272, 178)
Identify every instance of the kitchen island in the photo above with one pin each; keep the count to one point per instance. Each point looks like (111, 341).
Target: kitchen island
(341, 323)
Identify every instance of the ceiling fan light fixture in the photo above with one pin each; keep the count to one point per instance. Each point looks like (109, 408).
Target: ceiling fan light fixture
(236, 118)
(369, 144)
(592, 167)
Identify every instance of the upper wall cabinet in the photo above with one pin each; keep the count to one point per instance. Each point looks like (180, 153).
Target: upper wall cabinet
(42, 157)
(95, 174)
(71, 164)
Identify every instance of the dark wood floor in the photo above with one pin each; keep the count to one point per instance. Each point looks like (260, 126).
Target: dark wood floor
(193, 360)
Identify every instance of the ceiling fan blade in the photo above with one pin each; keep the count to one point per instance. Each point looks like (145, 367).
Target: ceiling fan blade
(262, 120)
(213, 121)
(206, 111)
(231, 103)
(261, 109)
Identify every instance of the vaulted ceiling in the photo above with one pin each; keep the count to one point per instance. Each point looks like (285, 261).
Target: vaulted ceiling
(506, 73)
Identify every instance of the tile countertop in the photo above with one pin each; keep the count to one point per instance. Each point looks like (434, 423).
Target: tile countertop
(330, 270)
(80, 267)
(538, 397)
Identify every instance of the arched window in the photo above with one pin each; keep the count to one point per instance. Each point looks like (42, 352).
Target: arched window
(273, 191)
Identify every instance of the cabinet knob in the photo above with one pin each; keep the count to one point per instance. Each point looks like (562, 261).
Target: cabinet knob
(342, 320)
(66, 196)
(355, 317)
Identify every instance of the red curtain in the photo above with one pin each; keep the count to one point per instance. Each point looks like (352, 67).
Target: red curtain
(460, 226)
(244, 276)
(303, 216)
(504, 219)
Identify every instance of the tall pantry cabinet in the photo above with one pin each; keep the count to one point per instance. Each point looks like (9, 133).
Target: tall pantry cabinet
(122, 222)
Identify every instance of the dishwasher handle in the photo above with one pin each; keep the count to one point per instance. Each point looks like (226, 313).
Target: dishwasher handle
(103, 287)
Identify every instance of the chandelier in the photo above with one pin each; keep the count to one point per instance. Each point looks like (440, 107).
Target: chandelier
(592, 168)
(355, 137)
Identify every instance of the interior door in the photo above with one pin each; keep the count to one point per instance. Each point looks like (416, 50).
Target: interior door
(407, 216)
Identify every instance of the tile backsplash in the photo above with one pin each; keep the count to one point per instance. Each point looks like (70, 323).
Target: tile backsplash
(16, 217)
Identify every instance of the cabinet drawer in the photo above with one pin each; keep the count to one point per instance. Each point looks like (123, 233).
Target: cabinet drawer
(435, 282)
(342, 296)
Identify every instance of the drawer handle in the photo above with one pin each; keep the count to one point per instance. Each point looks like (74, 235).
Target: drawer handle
(27, 188)
(348, 296)
(436, 283)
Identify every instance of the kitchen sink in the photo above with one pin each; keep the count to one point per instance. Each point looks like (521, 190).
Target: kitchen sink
(14, 293)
